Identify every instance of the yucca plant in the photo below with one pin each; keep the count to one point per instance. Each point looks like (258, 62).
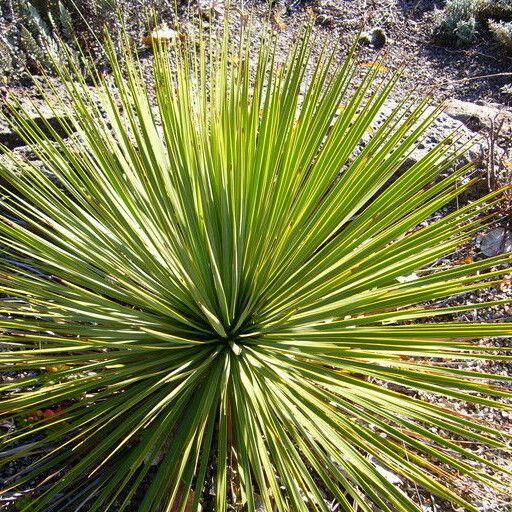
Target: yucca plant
(207, 290)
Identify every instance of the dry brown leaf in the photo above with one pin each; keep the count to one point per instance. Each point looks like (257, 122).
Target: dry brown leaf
(277, 16)
(162, 34)
(374, 65)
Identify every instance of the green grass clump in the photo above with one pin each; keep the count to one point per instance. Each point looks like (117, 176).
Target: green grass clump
(218, 294)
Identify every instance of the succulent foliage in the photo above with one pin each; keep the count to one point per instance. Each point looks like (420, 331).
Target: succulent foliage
(457, 23)
(502, 31)
(494, 9)
(207, 291)
(462, 22)
(40, 35)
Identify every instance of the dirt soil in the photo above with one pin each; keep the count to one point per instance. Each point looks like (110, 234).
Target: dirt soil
(473, 74)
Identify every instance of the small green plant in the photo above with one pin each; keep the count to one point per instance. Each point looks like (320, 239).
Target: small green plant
(208, 290)
(47, 35)
(456, 23)
(502, 31)
(41, 35)
(462, 22)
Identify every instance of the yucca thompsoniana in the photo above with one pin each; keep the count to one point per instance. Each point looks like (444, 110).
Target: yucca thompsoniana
(207, 292)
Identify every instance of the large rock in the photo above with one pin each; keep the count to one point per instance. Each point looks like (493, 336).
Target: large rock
(496, 241)
(36, 109)
(442, 128)
(478, 117)
(38, 112)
